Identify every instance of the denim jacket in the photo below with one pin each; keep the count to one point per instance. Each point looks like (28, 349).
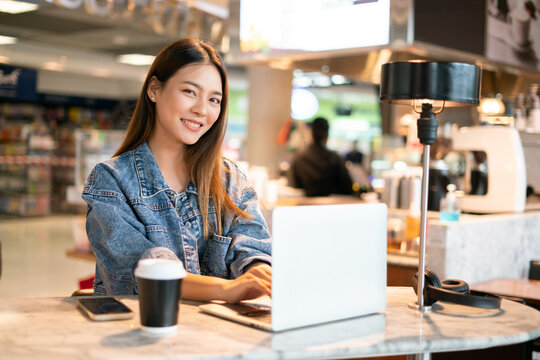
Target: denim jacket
(132, 210)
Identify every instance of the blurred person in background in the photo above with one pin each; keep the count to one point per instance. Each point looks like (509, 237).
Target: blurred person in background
(355, 156)
(318, 170)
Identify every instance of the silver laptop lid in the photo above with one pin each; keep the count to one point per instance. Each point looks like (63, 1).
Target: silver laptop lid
(328, 263)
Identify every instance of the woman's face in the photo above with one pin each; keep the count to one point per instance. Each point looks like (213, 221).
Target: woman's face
(187, 105)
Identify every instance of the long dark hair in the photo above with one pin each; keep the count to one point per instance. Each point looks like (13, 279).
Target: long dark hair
(203, 159)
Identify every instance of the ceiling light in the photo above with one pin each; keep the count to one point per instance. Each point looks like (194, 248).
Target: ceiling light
(53, 66)
(304, 104)
(135, 59)
(491, 106)
(4, 59)
(99, 72)
(322, 81)
(301, 81)
(4, 40)
(16, 7)
(282, 64)
(120, 40)
(339, 80)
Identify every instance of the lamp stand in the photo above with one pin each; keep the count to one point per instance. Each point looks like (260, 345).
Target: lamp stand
(427, 133)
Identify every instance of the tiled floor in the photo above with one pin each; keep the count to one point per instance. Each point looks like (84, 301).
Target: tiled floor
(34, 261)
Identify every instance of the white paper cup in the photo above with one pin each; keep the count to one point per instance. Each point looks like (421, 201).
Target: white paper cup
(160, 284)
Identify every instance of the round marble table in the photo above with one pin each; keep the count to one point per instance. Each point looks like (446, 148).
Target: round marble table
(53, 328)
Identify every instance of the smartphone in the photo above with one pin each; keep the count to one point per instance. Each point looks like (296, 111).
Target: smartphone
(104, 308)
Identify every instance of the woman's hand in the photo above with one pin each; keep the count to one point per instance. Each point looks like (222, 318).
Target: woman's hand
(255, 282)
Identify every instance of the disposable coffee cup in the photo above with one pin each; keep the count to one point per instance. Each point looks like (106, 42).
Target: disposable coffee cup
(160, 284)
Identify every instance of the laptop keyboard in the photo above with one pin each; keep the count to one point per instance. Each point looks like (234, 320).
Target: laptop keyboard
(257, 312)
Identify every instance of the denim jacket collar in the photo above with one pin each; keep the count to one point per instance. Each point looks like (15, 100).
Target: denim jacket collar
(151, 180)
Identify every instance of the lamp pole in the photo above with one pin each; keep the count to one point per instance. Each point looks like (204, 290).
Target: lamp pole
(427, 82)
(453, 83)
(427, 133)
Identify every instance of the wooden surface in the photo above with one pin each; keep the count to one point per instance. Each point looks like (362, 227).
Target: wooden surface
(399, 275)
(81, 255)
(528, 290)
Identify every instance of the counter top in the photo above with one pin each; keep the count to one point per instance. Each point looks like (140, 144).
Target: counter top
(525, 289)
(53, 328)
(402, 260)
(468, 248)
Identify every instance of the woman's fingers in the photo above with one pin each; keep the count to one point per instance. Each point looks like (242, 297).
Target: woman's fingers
(252, 284)
(257, 289)
(261, 270)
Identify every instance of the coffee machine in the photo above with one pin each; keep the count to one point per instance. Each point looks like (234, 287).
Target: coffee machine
(495, 175)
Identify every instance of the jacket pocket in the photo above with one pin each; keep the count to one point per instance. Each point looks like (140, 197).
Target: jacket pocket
(158, 235)
(214, 263)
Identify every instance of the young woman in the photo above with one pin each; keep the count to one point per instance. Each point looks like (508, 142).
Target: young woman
(168, 188)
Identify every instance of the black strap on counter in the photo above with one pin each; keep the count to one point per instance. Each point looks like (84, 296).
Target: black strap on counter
(472, 298)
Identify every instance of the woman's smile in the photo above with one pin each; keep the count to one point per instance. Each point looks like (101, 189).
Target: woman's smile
(192, 125)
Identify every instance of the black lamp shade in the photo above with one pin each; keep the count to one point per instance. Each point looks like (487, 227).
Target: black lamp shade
(456, 83)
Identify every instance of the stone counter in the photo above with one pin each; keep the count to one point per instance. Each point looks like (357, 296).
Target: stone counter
(53, 328)
(479, 248)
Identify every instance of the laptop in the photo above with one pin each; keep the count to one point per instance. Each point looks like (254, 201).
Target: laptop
(328, 264)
